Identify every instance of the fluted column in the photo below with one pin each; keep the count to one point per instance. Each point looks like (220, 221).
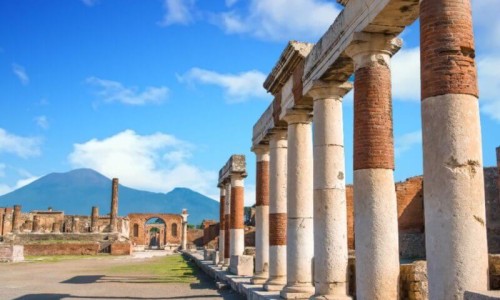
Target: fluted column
(300, 232)
(278, 152)
(262, 215)
(457, 254)
(222, 223)
(376, 216)
(113, 227)
(330, 209)
(227, 235)
(237, 229)
(16, 219)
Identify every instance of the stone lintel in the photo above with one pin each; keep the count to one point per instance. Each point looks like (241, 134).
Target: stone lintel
(375, 16)
(330, 89)
(235, 164)
(294, 53)
(261, 128)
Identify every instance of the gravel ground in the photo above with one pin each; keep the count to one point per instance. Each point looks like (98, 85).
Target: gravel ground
(89, 278)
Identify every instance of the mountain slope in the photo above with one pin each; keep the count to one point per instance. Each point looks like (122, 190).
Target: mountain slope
(75, 193)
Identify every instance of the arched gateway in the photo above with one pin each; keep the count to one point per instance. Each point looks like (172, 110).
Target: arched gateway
(155, 231)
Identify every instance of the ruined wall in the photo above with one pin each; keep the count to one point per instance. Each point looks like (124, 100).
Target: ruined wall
(121, 248)
(195, 237)
(210, 234)
(492, 195)
(139, 234)
(62, 249)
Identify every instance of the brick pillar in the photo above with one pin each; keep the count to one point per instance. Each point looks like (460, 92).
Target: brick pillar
(457, 255)
(222, 223)
(94, 218)
(300, 232)
(277, 210)
(330, 206)
(227, 235)
(113, 227)
(261, 215)
(376, 215)
(16, 219)
(36, 224)
(237, 227)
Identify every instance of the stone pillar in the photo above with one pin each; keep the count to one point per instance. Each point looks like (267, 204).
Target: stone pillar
(114, 207)
(74, 225)
(16, 219)
(278, 151)
(330, 208)
(36, 224)
(184, 229)
(300, 232)
(56, 227)
(227, 225)
(94, 218)
(262, 215)
(457, 254)
(237, 229)
(222, 223)
(376, 215)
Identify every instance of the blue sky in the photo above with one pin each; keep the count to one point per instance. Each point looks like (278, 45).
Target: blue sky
(161, 93)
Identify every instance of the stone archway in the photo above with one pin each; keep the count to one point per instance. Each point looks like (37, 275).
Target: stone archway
(169, 235)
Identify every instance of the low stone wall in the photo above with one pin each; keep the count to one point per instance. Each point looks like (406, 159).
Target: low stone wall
(62, 249)
(121, 248)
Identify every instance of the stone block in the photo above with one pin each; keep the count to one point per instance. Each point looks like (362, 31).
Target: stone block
(241, 265)
(215, 258)
(11, 253)
(482, 295)
(121, 248)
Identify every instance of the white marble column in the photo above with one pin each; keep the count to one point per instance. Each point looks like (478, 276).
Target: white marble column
(300, 232)
(278, 151)
(184, 229)
(330, 208)
(261, 215)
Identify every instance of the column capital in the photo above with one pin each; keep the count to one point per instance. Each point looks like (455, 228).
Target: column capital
(237, 179)
(297, 116)
(278, 133)
(329, 89)
(261, 151)
(367, 48)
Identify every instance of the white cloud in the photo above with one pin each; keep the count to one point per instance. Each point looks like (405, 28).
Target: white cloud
(42, 122)
(489, 85)
(157, 162)
(250, 194)
(281, 20)
(237, 87)
(113, 91)
(21, 74)
(21, 146)
(407, 141)
(178, 12)
(5, 188)
(405, 73)
(230, 3)
(2, 170)
(90, 2)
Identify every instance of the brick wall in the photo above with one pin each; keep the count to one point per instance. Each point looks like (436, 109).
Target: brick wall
(121, 248)
(62, 249)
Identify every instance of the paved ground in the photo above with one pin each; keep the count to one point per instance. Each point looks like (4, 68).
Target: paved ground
(89, 278)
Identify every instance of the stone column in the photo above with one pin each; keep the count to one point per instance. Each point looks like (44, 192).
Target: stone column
(278, 151)
(16, 219)
(300, 232)
(222, 223)
(237, 229)
(262, 215)
(457, 254)
(94, 218)
(184, 229)
(330, 208)
(227, 240)
(36, 224)
(376, 216)
(56, 227)
(114, 207)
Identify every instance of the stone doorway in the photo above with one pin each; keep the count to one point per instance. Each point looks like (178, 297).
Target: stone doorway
(155, 233)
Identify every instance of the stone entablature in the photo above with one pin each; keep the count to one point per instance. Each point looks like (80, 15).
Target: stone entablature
(235, 165)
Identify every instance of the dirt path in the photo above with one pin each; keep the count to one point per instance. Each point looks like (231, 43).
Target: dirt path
(91, 278)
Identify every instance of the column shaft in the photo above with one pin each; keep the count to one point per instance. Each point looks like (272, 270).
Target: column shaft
(36, 224)
(277, 210)
(262, 215)
(227, 235)
(16, 219)
(376, 216)
(114, 206)
(222, 223)
(330, 208)
(237, 229)
(94, 218)
(457, 254)
(300, 232)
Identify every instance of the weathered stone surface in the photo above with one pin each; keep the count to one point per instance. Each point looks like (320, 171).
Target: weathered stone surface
(241, 265)
(11, 253)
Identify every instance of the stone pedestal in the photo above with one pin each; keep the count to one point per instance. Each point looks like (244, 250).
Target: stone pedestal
(376, 216)
(241, 265)
(454, 197)
(262, 216)
(277, 210)
(330, 209)
(300, 233)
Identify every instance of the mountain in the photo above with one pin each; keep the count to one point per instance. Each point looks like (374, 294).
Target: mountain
(75, 193)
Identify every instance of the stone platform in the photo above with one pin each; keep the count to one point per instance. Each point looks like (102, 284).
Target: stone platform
(241, 284)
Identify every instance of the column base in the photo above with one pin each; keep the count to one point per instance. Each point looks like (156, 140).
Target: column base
(259, 279)
(297, 292)
(275, 284)
(330, 297)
